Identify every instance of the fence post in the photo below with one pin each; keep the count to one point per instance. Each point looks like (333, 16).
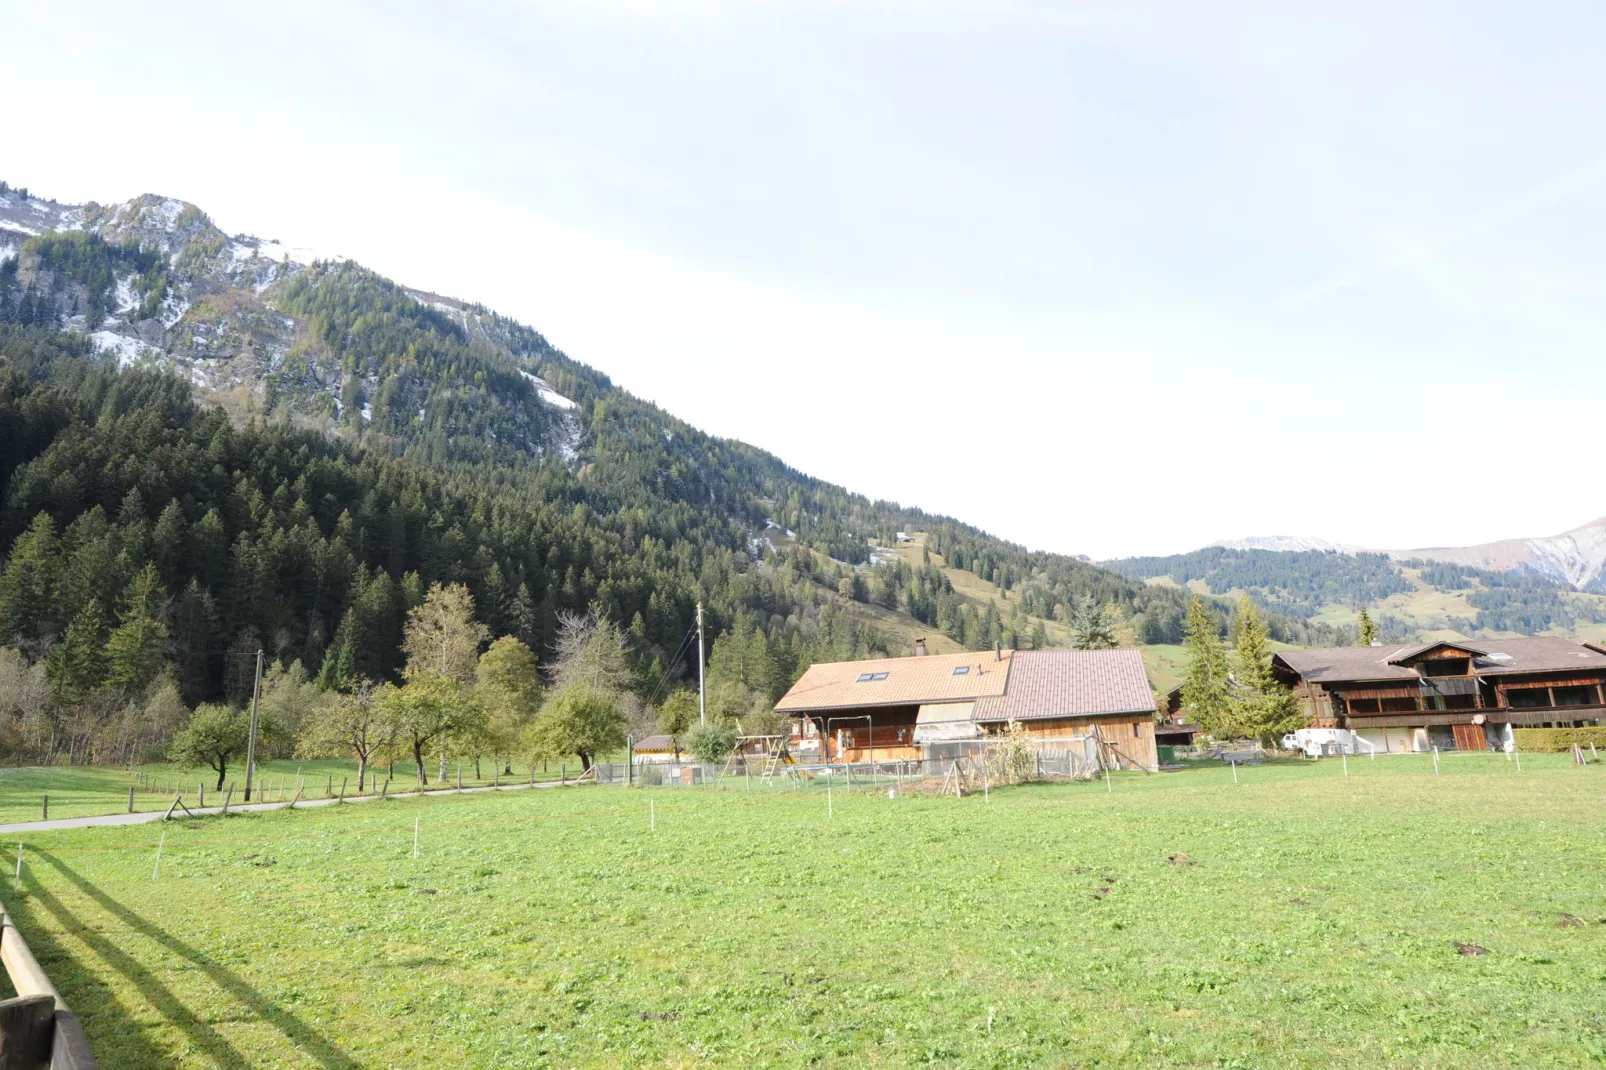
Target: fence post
(342, 788)
(415, 837)
(228, 798)
(130, 799)
(1435, 761)
(563, 775)
(459, 776)
(46, 816)
(200, 795)
(160, 843)
(19, 866)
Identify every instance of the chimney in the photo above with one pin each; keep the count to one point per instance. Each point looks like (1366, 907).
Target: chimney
(920, 648)
(998, 651)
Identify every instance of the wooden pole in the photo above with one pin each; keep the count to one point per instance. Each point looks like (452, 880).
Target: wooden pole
(227, 799)
(160, 843)
(200, 795)
(343, 789)
(1234, 765)
(1435, 761)
(1345, 758)
(47, 809)
(251, 739)
(131, 799)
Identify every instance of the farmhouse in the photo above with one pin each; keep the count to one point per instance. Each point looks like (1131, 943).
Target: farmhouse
(934, 706)
(1450, 695)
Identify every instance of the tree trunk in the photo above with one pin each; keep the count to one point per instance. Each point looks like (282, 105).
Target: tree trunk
(585, 761)
(418, 758)
(222, 771)
(362, 770)
(476, 767)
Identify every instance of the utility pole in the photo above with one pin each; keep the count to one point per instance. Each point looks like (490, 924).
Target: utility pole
(251, 740)
(702, 694)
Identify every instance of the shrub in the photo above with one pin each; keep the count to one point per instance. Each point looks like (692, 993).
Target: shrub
(1558, 740)
(709, 743)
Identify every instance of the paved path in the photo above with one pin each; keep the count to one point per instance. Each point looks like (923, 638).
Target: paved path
(145, 817)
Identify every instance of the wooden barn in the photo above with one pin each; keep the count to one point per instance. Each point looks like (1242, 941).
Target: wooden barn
(921, 706)
(1449, 695)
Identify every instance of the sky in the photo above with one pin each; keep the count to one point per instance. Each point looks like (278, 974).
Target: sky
(1108, 279)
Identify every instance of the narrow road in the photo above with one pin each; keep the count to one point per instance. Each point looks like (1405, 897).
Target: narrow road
(145, 817)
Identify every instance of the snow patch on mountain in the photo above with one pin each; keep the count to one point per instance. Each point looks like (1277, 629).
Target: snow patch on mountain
(547, 394)
(1577, 558)
(128, 350)
(1288, 544)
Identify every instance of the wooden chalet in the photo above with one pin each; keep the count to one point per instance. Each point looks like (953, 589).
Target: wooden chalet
(933, 706)
(1450, 695)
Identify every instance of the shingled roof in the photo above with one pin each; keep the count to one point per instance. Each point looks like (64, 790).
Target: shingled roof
(1540, 653)
(1071, 683)
(910, 681)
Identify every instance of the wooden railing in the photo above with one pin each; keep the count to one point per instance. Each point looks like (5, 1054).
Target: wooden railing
(37, 1029)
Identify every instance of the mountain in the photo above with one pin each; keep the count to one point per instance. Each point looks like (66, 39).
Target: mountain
(1576, 558)
(1286, 543)
(1551, 585)
(256, 447)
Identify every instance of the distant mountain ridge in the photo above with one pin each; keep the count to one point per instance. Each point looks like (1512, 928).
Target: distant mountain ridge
(1576, 558)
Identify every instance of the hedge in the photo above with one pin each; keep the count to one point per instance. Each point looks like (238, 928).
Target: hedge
(1559, 739)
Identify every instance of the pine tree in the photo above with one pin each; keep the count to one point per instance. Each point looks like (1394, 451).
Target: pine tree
(1204, 688)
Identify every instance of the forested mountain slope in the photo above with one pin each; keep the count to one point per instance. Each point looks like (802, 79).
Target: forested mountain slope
(298, 450)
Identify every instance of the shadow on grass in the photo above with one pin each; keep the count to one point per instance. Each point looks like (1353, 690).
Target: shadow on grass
(310, 1041)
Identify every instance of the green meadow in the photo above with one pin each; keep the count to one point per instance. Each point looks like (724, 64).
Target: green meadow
(1299, 917)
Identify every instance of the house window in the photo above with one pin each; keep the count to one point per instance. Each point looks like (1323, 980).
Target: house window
(863, 676)
(1445, 667)
(1363, 705)
(879, 676)
(1137, 731)
(1583, 695)
(961, 670)
(1399, 705)
(1528, 698)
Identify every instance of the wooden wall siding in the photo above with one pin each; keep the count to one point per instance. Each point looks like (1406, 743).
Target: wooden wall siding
(1469, 737)
(1131, 734)
(1555, 681)
(1411, 690)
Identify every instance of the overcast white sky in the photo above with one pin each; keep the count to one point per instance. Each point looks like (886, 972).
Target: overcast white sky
(1101, 278)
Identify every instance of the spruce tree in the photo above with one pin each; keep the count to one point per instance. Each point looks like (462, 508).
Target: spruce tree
(1090, 626)
(1204, 688)
(1368, 628)
(1260, 707)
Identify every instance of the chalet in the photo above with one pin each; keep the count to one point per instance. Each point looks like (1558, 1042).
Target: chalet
(1448, 694)
(934, 706)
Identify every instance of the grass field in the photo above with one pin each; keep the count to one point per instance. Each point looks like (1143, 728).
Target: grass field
(87, 791)
(1316, 926)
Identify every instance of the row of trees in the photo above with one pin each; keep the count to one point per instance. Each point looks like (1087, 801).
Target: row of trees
(454, 699)
(1235, 696)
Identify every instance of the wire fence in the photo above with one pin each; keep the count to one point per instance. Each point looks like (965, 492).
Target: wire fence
(959, 767)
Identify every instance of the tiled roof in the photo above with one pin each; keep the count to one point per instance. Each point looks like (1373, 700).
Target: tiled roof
(1542, 653)
(909, 681)
(1071, 683)
(656, 743)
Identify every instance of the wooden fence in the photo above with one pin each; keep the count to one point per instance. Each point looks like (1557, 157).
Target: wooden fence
(37, 1029)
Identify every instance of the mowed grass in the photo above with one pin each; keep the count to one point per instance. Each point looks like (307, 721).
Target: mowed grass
(90, 791)
(1317, 926)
